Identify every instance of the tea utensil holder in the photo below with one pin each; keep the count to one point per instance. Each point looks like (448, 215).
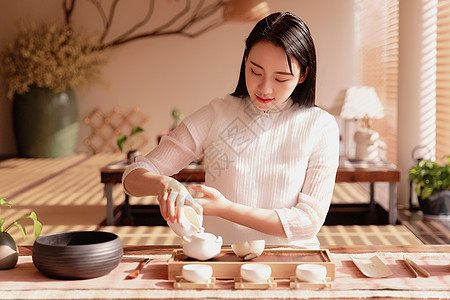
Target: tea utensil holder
(297, 284)
(181, 283)
(241, 284)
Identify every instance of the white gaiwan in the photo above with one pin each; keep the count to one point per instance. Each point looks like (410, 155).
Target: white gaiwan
(196, 243)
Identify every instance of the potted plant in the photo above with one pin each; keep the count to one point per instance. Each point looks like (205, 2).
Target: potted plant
(9, 253)
(432, 186)
(40, 68)
(121, 139)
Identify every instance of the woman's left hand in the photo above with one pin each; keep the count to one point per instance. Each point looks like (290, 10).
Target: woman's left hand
(213, 202)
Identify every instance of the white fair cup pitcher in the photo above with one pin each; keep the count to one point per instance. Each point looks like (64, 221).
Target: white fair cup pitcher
(190, 222)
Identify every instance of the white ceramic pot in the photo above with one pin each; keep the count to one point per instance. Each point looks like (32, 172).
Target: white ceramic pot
(202, 246)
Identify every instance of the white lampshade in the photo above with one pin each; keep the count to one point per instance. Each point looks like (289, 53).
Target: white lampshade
(362, 102)
(245, 10)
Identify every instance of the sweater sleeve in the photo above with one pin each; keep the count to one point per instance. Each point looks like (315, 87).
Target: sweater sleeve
(304, 220)
(178, 149)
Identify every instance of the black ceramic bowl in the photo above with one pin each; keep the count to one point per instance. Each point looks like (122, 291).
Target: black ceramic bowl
(77, 254)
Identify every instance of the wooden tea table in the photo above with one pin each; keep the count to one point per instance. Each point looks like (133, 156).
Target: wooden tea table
(348, 171)
(26, 282)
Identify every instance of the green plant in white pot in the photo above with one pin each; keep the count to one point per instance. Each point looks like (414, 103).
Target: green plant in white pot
(432, 186)
(9, 253)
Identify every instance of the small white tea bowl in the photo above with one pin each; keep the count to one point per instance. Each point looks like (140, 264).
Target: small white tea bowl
(255, 272)
(311, 272)
(197, 272)
(249, 250)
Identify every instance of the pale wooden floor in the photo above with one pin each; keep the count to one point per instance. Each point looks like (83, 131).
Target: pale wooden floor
(67, 195)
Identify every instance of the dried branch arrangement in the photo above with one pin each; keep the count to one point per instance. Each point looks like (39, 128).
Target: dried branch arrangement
(181, 23)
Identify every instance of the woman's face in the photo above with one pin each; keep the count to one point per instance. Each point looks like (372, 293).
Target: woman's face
(268, 76)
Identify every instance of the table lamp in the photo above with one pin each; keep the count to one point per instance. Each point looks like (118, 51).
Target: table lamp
(245, 11)
(362, 103)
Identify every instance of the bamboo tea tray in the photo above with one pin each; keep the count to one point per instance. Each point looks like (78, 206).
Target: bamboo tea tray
(282, 261)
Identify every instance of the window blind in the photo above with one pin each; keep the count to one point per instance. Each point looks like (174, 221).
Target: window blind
(443, 79)
(378, 25)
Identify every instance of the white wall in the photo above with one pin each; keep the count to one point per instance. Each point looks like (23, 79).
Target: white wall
(162, 73)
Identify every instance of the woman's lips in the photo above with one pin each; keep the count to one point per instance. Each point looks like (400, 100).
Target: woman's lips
(263, 100)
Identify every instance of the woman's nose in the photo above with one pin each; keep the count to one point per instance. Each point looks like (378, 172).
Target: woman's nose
(265, 85)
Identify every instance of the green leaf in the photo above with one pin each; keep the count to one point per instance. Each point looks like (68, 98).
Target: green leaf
(135, 130)
(24, 234)
(121, 139)
(426, 192)
(37, 226)
(2, 221)
(177, 115)
(4, 202)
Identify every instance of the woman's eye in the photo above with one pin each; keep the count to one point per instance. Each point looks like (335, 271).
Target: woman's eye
(282, 80)
(254, 73)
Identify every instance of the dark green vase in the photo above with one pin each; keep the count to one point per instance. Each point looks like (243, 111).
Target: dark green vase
(45, 123)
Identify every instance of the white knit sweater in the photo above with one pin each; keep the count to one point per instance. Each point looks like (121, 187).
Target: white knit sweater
(285, 160)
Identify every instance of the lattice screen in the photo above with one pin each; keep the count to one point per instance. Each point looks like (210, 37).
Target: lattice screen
(107, 127)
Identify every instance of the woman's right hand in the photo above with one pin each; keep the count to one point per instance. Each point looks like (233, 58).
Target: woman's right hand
(172, 197)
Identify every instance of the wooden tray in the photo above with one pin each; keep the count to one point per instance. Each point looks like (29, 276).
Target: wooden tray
(282, 261)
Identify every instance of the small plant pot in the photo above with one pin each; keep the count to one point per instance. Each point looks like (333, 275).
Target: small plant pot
(9, 254)
(438, 204)
(132, 154)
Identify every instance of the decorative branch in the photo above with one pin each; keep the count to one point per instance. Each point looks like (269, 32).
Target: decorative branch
(141, 23)
(68, 6)
(187, 16)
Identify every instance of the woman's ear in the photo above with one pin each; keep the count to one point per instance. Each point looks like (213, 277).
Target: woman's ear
(303, 77)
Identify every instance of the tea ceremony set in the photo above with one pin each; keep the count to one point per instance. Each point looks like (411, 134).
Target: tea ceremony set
(95, 265)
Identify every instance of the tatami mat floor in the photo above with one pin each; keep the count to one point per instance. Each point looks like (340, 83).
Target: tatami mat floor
(67, 195)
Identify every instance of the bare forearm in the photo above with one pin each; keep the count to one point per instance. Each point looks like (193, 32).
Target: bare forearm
(143, 183)
(260, 219)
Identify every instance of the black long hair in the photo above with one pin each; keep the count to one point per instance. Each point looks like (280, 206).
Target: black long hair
(291, 33)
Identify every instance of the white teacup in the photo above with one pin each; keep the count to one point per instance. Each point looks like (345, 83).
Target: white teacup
(311, 272)
(249, 250)
(255, 272)
(197, 272)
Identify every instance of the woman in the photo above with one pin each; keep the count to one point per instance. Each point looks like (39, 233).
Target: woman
(270, 154)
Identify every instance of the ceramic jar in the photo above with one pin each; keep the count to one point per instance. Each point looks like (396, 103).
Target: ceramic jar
(8, 251)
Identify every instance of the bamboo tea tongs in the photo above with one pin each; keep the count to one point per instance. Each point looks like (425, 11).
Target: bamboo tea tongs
(414, 268)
